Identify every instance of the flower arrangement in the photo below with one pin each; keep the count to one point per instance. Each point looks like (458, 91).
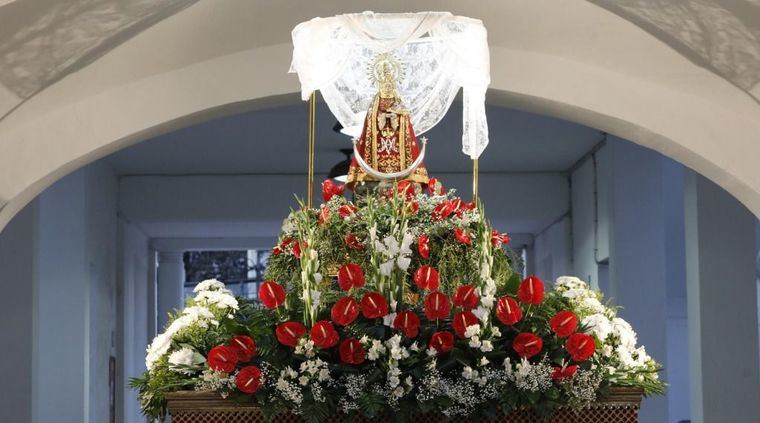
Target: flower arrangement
(401, 302)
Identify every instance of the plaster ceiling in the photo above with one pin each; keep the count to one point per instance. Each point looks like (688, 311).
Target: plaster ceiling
(43, 41)
(274, 141)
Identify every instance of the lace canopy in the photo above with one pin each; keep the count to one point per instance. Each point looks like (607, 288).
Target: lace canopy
(437, 52)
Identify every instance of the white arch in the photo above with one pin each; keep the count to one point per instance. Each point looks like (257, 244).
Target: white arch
(620, 80)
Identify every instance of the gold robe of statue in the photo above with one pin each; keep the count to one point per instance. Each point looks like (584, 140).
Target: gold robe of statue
(387, 142)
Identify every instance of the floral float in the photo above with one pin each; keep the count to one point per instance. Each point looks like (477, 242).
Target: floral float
(403, 302)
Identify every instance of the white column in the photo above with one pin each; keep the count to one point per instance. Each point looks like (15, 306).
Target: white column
(722, 305)
(638, 253)
(171, 281)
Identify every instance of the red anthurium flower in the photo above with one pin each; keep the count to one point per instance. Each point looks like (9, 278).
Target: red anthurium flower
(222, 359)
(423, 246)
(324, 334)
(289, 333)
(351, 351)
(564, 372)
(531, 290)
(248, 379)
(527, 345)
(345, 311)
(508, 311)
(435, 187)
(458, 206)
(324, 215)
(408, 323)
(407, 189)
(281, 247)
(350, 276)
(347, 210)
(442, 341)
(466, 297)
(297, 248)
(244, 346)
(497, 239)
(374, 305)
(272, 294)
(330, 189)
(462, 236)
(442, 211)
(353, 242)
(437, 306)
(426, 277)
(462, 320)
(580, 346)
(564, 323)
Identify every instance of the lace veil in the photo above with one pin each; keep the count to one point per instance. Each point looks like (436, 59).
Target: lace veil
(438, 54)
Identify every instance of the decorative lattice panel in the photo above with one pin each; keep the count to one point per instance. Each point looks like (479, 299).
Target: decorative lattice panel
(199, 407)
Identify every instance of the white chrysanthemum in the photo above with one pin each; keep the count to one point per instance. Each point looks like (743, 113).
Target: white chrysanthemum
(570, 282)
(599, 324)
(221, 299)
(209, 285)
(624, 332)
(182, 357)
(593, 304)
(195, 315)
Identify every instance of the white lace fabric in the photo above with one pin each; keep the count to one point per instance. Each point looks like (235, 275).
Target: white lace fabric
(440, 53)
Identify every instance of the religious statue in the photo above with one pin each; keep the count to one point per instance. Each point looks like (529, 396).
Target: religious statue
(387, 148)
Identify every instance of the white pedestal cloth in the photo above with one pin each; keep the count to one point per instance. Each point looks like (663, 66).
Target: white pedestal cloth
(439, 54)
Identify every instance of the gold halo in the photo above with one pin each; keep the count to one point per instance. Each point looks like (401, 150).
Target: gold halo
(379, 63)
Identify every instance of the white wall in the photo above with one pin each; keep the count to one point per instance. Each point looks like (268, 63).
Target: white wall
(58, 260)
(552, 250)
(17, 314)
(133, 316)
(590, 191)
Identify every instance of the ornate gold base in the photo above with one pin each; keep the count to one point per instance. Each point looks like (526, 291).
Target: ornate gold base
(622, 406)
